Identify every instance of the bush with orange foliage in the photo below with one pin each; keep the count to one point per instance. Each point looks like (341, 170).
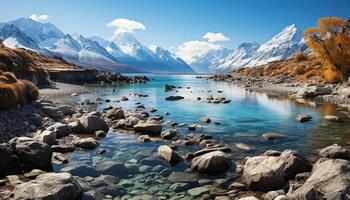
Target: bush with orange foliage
(300, 56)
(14, 91)
(330, 43)
(247, 70)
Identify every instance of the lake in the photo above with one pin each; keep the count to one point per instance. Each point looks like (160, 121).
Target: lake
(243, 120)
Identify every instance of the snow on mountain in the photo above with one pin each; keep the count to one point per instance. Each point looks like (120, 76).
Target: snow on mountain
(67, 48)
(280, 47)
(175, 64)
(44, 34)
(209, 59)
(14, 38)
(238, 57)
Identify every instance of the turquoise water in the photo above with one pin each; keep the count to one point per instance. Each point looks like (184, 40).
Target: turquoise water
(243, 120)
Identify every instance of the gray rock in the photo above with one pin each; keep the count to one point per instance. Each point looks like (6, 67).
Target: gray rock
(211, 163)
(48, 186)
(169, 134)
(294, 164)
(61, 130)
(314, 91)
(198, 191)
(166, 153)
(273, 136)
(144, 138)
(174, 98)
(100, 134)
(272, 153)
(86, 143)
(112, 168)
(182, 177)
(205, 119)
(335, 151)
(115, 113)
(92, 124)
(66, 109)
(76, 127)
(48, 137)
(148, 128)
(52, 111)
(32, 154)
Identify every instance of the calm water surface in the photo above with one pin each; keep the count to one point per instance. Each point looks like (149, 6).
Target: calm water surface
(243, 120)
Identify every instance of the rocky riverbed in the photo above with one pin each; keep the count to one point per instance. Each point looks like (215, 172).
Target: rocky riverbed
(59, 131)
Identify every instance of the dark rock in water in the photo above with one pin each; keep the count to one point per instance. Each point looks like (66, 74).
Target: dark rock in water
(166, 153)
(31, 153)
(81, 170)
(169, 88)
(303, 118)
(211, 163)
(205, 119)
(148, 128)
(101, 151)
(192, 127)
(334, 152)
(124, 98)
(48, 186)
(112, 168)
(100, 134)
(169, 134)
(174, 98)
(182, 177)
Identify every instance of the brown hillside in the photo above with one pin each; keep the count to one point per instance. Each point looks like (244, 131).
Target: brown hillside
(26, 64)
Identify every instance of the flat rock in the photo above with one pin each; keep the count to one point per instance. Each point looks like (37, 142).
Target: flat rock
(198, 191)
(335, 151)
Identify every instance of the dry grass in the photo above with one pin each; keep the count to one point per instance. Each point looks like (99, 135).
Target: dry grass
(300, 56)
(14, 92)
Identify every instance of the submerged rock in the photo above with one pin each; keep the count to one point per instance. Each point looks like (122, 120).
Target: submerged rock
(211, 163)
(169, 134)
(48, 186)
(273, 136)
(86, 143)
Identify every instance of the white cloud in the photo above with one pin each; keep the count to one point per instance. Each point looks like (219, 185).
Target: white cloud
(125, 25)
(215, 37)
(39, 18)
(191, 50)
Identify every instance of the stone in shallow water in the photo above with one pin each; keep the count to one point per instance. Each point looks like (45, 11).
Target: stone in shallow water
(143, 197)
(335, 151)
(112, 168)
(169, 155)
(198, 191)
(86, 143)
(273, 136)
(179, 187)
(303, 118)
(81, 170)
(211, 163)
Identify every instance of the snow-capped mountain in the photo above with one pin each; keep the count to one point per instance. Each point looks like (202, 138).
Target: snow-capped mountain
(125, 53)
(14, 38)
(209, 59)
(173, 62)
(238, 57)
(280, 47)
(44, 34)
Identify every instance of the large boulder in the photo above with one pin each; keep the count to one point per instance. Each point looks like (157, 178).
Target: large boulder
(166, 153)
(93, 123)
(267, 173)
(49, 186)
(264, 173)
(169, 134)
(48, 137)
(32, 154)
(328, 176)
(115, 113)
(211, 163)
(149, 128)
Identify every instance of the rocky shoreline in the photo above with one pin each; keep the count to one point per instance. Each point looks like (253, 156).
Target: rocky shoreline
(53, 129)
(284, 85)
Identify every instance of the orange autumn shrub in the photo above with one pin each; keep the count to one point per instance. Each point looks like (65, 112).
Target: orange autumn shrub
(330, 43)
(300, 56)
(247, 70)
(14, 91)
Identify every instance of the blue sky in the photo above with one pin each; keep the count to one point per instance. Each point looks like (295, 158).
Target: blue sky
(171, 23)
